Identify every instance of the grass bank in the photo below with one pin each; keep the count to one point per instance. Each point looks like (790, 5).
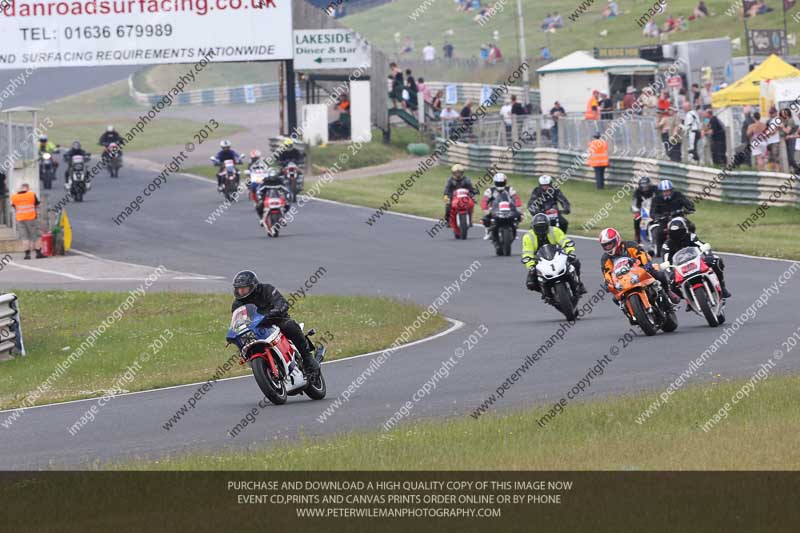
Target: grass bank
(759, 433)
(773, 235)
(195, 349)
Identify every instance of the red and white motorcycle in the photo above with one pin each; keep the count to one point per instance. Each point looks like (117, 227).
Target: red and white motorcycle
(699, 284)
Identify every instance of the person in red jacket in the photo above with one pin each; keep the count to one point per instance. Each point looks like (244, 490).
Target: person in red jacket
(500, 187)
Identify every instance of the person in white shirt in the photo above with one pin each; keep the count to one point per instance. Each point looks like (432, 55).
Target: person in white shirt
(691, 123)
(429, 52)
(448, 115)
(505, 112)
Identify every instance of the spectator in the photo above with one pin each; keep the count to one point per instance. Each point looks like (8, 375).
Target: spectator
(651, 29)
(630, 97)
(716, 130)
(448, 50)
(758, 146)
(466, 116)
(592, 106)
(670, 126)
(545, 53)
(701, 11)
(548, 20)
(663, 103)
(748, 119)
(436, 102)
(26, 207)
(429, 52)
(648, 98)
(695, 96)
(774, 139)
(495, 54)
(558, 21)
(611, 10)
(3, 197)
(606, 107)
(788, 133)
(757, 8)
(396, 94)
(424, 90)
(598, 160)
(516, 107)
(705, 95)
(408, 46)
(448, 116)
(340, 128)
(556, 112)
(505, 113)
(412, 90)
(691, 123)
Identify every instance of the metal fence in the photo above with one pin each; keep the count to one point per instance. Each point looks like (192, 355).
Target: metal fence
(637, 137)
(19, 148)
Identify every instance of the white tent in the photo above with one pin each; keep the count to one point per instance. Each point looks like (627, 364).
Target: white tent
(571, 79)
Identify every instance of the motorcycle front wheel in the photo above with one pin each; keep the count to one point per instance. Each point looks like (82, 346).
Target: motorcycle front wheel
(643, 318)
(275, 391)
(564, 298)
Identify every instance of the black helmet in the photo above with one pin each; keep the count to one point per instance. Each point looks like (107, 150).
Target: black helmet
(245, 278)
(76, 145)
(540, 224)
(645, 183)
(678, 229)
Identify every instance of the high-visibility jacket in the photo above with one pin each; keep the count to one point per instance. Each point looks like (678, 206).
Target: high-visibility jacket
(590, 114)
(530, 244)
(25, 204)
(598, 153)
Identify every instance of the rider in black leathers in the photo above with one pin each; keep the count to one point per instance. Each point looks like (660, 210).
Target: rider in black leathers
(457, 181)
(74, 150)
(271, 304)
(679, 237)
(644, 191)
(545, 197)
(110, 136)
(671, 202)
(289, 154)
(272, 179)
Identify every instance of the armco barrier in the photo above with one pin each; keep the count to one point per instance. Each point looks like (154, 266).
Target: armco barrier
(10, 330)
(262, 92)
(741, 187)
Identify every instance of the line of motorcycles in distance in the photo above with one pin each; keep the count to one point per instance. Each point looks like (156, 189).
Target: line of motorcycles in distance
(640, 295)
(78, 182)
(271, 191)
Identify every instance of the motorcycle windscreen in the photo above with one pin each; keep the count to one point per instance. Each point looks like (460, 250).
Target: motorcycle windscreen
(242, 318)
(622, 266)
(685, 255)
(547, 252)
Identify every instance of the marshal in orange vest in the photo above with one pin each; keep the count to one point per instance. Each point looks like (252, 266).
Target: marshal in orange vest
(25, 205)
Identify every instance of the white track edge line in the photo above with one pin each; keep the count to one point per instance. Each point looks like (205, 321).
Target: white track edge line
(456, 325)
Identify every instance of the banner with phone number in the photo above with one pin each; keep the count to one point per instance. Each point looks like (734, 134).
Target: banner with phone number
(61, 33)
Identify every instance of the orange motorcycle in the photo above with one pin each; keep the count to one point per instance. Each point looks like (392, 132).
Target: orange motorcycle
(642, 298)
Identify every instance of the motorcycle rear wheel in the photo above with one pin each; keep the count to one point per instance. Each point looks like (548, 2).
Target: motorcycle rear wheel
(275, 392)
(642, 316)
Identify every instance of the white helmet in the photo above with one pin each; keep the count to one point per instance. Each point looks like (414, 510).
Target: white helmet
(500, 181)
(544, 179)
(225, 143)
(110, 128)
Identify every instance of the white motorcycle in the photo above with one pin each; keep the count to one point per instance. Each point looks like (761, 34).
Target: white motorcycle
(558, 280)
(699, 284)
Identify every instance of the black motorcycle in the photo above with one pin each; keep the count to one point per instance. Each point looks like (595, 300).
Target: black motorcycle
(658, 228)
(77, 184)
(294, 180)
(113, 159)
(229, 175)
(505, 219)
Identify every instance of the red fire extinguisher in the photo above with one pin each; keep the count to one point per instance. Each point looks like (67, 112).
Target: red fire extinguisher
(47, 244)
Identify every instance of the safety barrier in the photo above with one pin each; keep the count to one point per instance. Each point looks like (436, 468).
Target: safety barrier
(741, 187)
(245, 94)
(474, 92)
(10, 330)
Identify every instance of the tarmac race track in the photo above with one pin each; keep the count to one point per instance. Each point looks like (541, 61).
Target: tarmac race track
(395, 258)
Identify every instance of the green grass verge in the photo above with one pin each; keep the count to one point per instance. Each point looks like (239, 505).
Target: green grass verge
(379, 25)
(359, 324)
(758, 434)
(370, 154)
(161, 78)
(84, 116)
(774, 235)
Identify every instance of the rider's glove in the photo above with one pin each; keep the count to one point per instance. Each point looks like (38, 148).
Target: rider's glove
(445, 198)
(637, 216)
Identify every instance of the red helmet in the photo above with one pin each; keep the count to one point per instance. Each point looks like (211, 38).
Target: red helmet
(610, 240)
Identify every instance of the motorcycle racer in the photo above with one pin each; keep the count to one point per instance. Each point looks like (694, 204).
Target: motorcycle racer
(270, 303)
(500, 185)
(614, 248)
(644, 191)
(457, 181)
(545, 197)
(542, 233)
(679, 237)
